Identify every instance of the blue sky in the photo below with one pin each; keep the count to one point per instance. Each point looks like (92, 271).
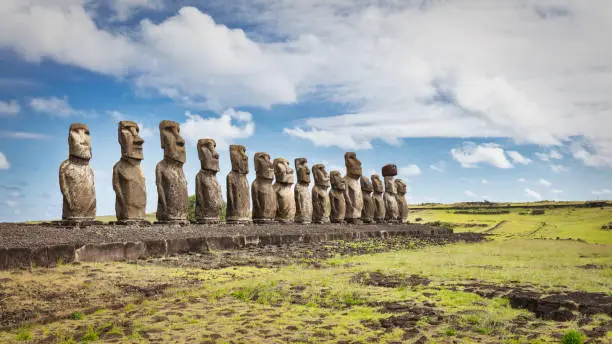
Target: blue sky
(468, 103)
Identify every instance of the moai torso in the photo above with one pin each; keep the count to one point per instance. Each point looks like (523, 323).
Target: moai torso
(128, 179)
(285, 202)
(303, 200)
(172, 197)
(352, 193)
(402, 204)
(209, 200)
(377, 199)
(369, 209)
(238, 201)
(336, 197)
(321, 207)
(262, 192)
(76, 177)
(391, 208)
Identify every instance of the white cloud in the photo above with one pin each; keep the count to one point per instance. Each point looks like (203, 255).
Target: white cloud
(553, 154)
(470, 193)
(557, 191)
(602, 192)
(533, 194)
(522, 180)
(4, 163)
(484, 181)
(471, 154)
(9, 108)
(545, 182)
(230, 125)
(542, 156)
(409, 170)
(440, 166)
(126, 8)
(54, 106)
(23, 135)
(518, 158)
(558, 168)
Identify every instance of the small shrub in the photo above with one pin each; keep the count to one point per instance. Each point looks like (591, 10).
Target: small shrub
(24, 334)
(538, 212)
(573, 337)
(90, 336)
(450, 332)
(77, 316)
(418, 219)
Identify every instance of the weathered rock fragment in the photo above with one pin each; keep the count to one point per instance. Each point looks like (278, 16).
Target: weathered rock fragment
(377, 198)
(128, 178)
(303, 200)
(262, 192)
(172, 198)
(76, 177)
(209, 201)
(389, 172)
(352, 193)
(402, 204)
(369, 209)
(285, 211)
(321, 207)
(238, 201)
(336, 197)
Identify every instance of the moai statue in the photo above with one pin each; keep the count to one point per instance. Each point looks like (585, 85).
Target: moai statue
(76, 177)
(128, 178)
(400, 196)
(172, 198)
(303, 200)
(336, 197)
(285, 211)
(321, 207)
(262, 192)
(389, 172)
(209, 200)
(377, 197)
(352, 193)
(369, 209)
(238, 201)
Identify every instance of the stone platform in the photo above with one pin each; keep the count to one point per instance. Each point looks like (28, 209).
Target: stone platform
(25, 245)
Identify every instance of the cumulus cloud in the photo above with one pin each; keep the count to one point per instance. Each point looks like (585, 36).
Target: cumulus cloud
(602, 192)
(4, 163)
(440, 166)
(552, 154)
(518, 158)
(54, 106)
(9, 108)
(532, 194)
(545, 182)
(558, 168)
(470, 193)
(225, 128)
(409, 170)
(469, 155)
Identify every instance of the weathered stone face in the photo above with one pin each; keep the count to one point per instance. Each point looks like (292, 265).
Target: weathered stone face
(263, 166)
(377, 198)
(369, 209)
(128, 178)
(207, 153)
(400, 187)
(353, 165)
(366, 185)
(303, 172)
(336, 197)
(239, 158)
(377, 184)
(321, 177)
(171, 141)
(303, 199)
(337, 182)
(402, 204)
(390, 186)
(130, 141)
(391, 207)
(283, 171)
(79, 141)
(285, 201)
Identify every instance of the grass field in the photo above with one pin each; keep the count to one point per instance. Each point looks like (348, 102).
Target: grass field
(443, 294)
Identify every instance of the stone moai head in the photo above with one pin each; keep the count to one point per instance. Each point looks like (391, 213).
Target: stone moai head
(171, 141)
(209, 158)
(283, 171)
(321, 177)
(79, 142)
(263, 166)
(400, 187)
(239, 158)
(337, 182)
(353, 165)
(303, 172)
(130, 141)
(366, 185)
(377, 184)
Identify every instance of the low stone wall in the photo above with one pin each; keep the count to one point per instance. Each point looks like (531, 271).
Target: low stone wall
(50, 255)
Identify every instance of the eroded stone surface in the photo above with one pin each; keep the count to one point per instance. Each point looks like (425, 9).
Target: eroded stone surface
(321, 207)
(237, 185)
(336, 197)
(377, 198)
(209, 200)
(128, 179)
(352, 193)
(172, 197)
(303, 199)
(369, 209)
(262, 192)
(391, 209)
(402, 204)
(285, 202)
(76, 177)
